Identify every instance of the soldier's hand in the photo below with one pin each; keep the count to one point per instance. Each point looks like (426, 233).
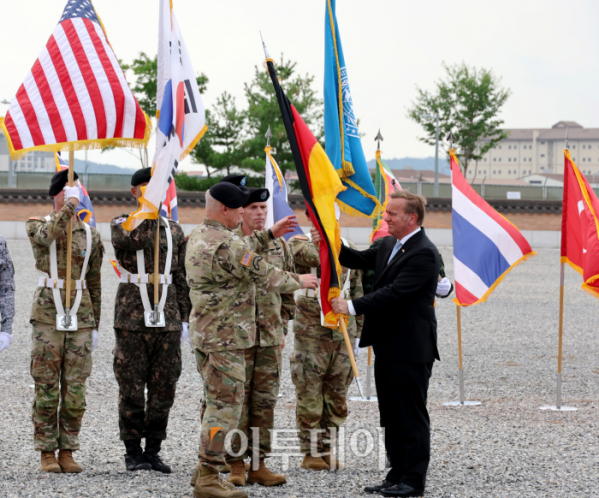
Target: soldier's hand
(316, 238)
(286, 225)
(309, 281)
(72, 195)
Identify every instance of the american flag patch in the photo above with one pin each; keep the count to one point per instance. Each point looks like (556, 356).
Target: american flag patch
(247, 258)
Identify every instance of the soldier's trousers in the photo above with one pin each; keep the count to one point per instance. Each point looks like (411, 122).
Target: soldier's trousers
(322, 376)
(61, 362)
(223, 373)
(262, 380)
(146, 359)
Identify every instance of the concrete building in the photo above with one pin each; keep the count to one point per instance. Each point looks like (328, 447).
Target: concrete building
(539, 151)
(37, 161)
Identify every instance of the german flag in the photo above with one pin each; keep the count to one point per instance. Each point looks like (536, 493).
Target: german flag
(320, 185)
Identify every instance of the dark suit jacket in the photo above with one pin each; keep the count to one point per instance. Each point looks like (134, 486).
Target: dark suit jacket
(399, 313)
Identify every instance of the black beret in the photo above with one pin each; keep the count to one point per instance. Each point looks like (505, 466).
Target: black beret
(142, 175)
(257, 195)
(59, 180)
(239, 180)
(230, 194)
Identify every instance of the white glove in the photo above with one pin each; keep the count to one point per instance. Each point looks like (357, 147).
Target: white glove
(5, 340)
(185, 334)
(443, 287)
(70, 192)
(94, 339)
(357, 349)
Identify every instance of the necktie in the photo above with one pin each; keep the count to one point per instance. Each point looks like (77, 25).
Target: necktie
(396, 248)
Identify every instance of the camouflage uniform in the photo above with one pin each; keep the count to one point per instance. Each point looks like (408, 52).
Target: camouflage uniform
(148, 356)
(223, 275)
(320, 365)
(61, 361)
(263, 361)
(7, 288)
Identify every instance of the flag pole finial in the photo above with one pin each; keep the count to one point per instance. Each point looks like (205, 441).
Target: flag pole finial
(266, 54)
(450, 138)
(268, 136)
(567, 148)
(378, 139)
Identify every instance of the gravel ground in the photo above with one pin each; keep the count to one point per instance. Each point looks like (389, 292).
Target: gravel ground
(505, 447)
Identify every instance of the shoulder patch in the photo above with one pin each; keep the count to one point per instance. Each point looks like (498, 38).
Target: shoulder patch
(118, 221)
(300, 237)
(246, 259)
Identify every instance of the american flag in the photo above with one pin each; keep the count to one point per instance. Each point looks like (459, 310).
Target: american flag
(76, 92)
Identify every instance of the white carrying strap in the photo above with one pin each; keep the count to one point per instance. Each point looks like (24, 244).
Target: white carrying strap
(56, 283)
(344, 291)
(141, 279)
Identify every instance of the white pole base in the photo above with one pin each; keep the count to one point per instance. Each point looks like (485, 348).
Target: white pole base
(365, 398)
(462, 403)
(558, 408)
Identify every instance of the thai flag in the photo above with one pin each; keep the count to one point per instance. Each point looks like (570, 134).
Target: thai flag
(486, 246)
(85, 210)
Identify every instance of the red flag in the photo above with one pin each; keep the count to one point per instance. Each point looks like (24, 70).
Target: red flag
(580, 226)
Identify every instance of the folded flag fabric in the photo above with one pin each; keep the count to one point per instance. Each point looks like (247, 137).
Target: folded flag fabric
(278, 205)
(320, 185)
(580, 226)
(169, 207)
(76, 96)
(85, 210)
(342, 138)
(384, 183)
(486, 246)
(180, 113)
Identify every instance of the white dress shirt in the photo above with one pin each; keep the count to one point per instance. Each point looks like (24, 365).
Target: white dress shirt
(396, 248)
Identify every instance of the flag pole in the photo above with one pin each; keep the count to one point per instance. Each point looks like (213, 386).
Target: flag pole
(350, 352)
(67, 318)
(462, 401)
(368, 397)
(157, 267)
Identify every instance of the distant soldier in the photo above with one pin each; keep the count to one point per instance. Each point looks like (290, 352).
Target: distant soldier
(61, 361)
(320, 366)
(223, 274)
(7, 295)
(263, 361)
(148, 356)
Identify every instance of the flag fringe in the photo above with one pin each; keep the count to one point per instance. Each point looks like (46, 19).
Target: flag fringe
(194, 143)
(100, 143)
(378, 208)
(498, 281)
(129, 225)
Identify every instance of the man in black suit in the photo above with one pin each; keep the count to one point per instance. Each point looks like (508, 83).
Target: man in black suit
(401, 327)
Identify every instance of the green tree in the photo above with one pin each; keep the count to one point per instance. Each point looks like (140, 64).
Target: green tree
(263, 111)
(468, 102)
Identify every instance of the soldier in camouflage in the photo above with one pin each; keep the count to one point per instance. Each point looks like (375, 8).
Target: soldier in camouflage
(147, 357)
(7, 295)
(223, 275)
(263, 361)
(61, 361)
(320, 366)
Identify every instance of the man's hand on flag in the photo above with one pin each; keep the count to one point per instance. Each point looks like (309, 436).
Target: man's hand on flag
(315, 234)
(340, 306)
(309, 281)
(283, 226)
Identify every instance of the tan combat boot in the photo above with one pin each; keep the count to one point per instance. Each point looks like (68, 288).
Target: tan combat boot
(49, 463)
(196, 474)
(237, 476)
(314, 463)
(265, 477)
(332, 462)
(66, 462)
(210, 485)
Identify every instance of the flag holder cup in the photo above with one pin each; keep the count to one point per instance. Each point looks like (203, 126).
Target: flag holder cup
(461, 402)
(368, 396)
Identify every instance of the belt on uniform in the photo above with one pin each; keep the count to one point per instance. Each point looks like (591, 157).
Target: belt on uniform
(144, 278)
(59, 283)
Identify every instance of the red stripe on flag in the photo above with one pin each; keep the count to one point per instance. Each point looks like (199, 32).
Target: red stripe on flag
(463, 186)
(140, 122)
(465, 297)
(46, 93)
(115, 85)
(67, 88)
(88, 75)
(13, 132)
(30, 116)
(305, 141)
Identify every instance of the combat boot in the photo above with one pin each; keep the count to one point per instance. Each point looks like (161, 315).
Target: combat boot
(49, 463)
(314, 463)
(134, 458)
(151, 456)
(237, 476)
(264, 476)
(66, 462)
(196, 474)
(210, 485)
(332, 462)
